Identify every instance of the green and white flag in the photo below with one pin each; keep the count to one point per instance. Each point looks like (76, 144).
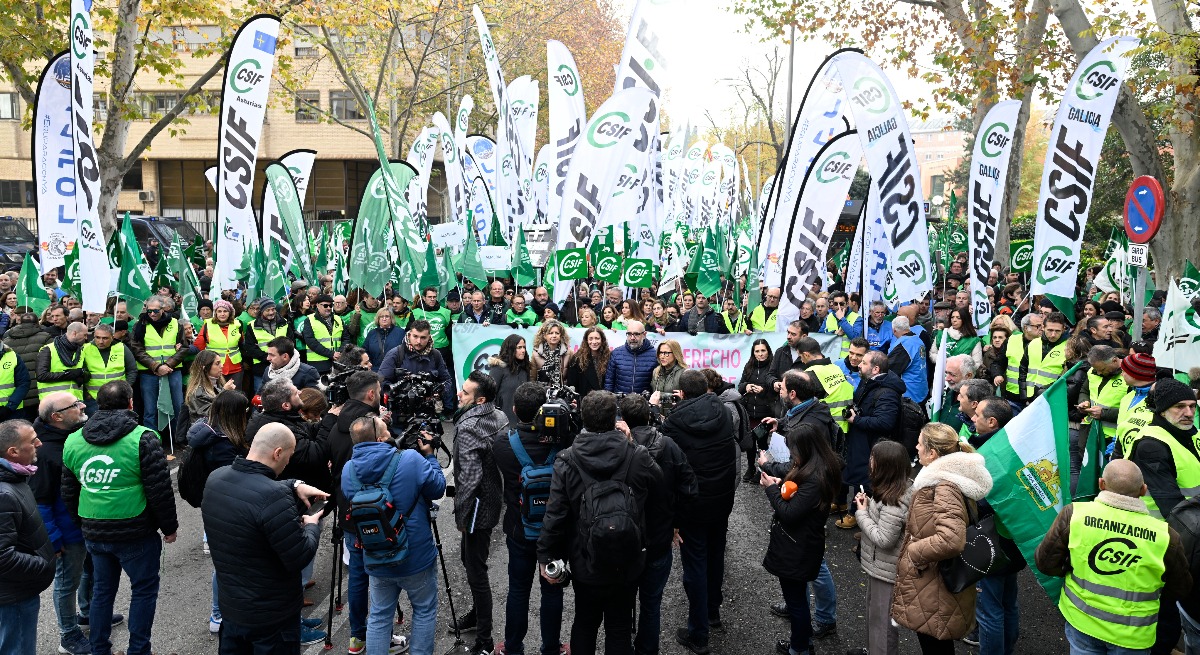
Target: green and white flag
(71, 281)
(370, 266)
(570, 264)
(1029, 462)
(283, 221)
(275, 284)
(1020, 255)
(472, 265)
(1178, 345)
(1115, 274)
(1189, 284)
(638, 273)
(30, 292)
(523, 273)
(134, 283)
(704, 273)
(1092, 463)
(430, 276)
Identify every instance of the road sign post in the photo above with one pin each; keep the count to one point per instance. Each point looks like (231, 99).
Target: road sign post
(1144, 205)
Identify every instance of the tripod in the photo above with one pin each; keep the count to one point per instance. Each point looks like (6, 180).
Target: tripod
(459, 648)
(335, 579)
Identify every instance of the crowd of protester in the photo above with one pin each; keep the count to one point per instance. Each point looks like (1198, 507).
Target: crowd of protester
(96, 408)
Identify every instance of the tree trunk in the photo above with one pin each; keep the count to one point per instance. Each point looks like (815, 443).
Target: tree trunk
(111, 151)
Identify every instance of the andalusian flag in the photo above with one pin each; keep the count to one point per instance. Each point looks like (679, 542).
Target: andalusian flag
(30, 292)
(1029, 461)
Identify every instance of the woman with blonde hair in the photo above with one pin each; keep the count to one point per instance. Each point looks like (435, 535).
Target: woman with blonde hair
(551, 352)
(205, 381)
(953, 476)
(665, 378)
(587, 317)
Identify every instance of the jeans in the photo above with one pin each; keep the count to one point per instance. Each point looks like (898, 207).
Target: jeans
(68, 572)
(18, 626)
(148, 381)
(1082, 644)
(422, 594)
(474, 552)
(703, 557)
(216, 608)
(356, 591)
(1191, 632)
(611, 605)
(281, 639)
(522, 569)
(650, 595)
(795, 594)
(997, 615)
(139, 559)
(824, 596)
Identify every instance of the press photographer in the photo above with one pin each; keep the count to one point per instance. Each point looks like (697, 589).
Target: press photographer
(417, 355)
(415, 402)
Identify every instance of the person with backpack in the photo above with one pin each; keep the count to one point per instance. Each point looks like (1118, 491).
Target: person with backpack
(702, 427)
(478, 423)
(875, 415)
(595, 522)
(675, 488)
(389, 494)
(526, 463)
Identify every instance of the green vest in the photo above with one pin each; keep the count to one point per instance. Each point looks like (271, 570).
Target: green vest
(1048, 366)
(440, 318)
(160, 347)
(1106, 394)
(965, 433)
(1117, 564)
(8, 377)
(759, 322)
(954, 347)
(525, 319)
(839, 393)
(100, 371)
(262, 337)
(1131, 421)
(58, 366)
(225, 345)
(1014, 352)
(111, 475)
(322, 335)
(1187, 466)
(738, 326)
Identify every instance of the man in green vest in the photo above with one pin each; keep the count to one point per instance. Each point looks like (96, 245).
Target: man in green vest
(60, 363)
(106, 360)
(262, 331)
(1013, 369)
(762, 318)
(1051, 353)
(14, 383)
(839, 394)
(1120, 566)
(1100, 394)
(321, 333)
(116, 485)
(160, 344)
(440, 319)
(735, 322)
(1166, 449)
(1134, 413)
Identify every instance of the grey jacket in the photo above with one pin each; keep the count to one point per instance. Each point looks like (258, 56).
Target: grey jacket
(479, 492)
(882, 527)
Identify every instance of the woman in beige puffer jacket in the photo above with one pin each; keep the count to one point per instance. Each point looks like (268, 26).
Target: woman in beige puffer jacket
(937, 525)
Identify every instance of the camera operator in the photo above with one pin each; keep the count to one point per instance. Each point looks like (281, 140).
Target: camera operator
(478, 494)
(284, 364)
(704, 430)
(522, 551)
(674, 489)
(365, 393)
(417, 355)
(281, 404)
(605, 578)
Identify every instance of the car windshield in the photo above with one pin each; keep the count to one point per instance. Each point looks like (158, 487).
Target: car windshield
(15, 232)
(186, 232)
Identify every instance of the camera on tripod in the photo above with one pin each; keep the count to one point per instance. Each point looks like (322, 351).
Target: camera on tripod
(558, 421)
(415, 401)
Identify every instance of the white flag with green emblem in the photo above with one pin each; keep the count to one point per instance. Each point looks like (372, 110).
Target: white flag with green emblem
(1115, 274)
(1178, 345)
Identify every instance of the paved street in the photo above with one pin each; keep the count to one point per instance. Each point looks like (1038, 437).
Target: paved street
(183, 606)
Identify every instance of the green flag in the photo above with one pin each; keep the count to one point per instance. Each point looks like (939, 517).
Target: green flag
(472, 267)
(162, 275)
(570, 264)
(429, 277)
(275, 284)
(189, 292)
(705, 266)
(1029, 462)
(71, 281)
(256, 266)
(176, 263)
(523, 273)
(370, 267)
(397, 213)
(134, 283)
(339, 271)
(114, 255)
(322, 263)
(1093, 462)
(447, 274)
(495, 237)
(30, 292)
(1189, 284)
(608, 265)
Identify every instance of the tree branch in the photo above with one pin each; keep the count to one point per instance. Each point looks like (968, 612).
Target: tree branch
(172, 113)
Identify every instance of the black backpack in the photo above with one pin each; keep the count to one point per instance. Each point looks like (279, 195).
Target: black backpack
(908, 428)
(610, 541)
(193, 474)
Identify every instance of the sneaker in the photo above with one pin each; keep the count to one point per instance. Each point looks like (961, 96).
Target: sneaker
(309, 636)
(312, 622)
(465, 623)
(822, 630)
(972, 638)
(117, 619)
(75, 644)
(482, 647)
(357, 646)
(684, 638)
(214, 624)
(399, 645)
(783, 647)
(847, 522)
(780, 609)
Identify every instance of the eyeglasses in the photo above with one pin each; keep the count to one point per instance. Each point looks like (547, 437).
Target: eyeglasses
(665, 352)
(325, 304)
(77, 403)
(635, 334)
(838, 304)
(154, 311)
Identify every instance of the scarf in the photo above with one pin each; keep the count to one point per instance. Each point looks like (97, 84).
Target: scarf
(552, 366)
(286, 372)
(68, 352)
(21, 469)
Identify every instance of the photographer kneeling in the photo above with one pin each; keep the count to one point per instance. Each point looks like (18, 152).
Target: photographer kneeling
(417, 355)
(522, 528)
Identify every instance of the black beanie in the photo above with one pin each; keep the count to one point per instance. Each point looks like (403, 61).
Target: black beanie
(1169, 391)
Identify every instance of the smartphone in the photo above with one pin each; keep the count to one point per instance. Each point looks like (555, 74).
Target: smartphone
(316, 507)
(860, 490)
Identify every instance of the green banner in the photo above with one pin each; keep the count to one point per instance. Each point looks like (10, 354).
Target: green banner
(1020, 255)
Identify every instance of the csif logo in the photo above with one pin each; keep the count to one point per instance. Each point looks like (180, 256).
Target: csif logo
(995, 136)
(81, 35)
(911, 266)
(1056, 262)
(1096, 80)
(462, 119)
(836, 165)
(567, 79)
(870, 94)
(607, 130)
(1023, 257)
(571, 264)
(89, 235)
(245, 76)
(1113, 556)
(607, 266)
(98, 473)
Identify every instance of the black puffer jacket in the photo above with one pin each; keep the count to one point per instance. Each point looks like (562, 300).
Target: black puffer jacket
(878, 404)
(310, 462)
(335, 431)
(763, 404)
(26, 555)
(674, 488)
(259, 546)
(602, 455)
(47, 482)
(104, 428)
(703, 430)
(797, 543)
(510, 473)
(27, 339)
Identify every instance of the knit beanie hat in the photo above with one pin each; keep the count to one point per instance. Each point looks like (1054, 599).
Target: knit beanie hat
(223, 304)
(1139, 366)
(1169, 391)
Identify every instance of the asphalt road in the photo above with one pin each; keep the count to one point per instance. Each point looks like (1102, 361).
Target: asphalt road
(181, 623)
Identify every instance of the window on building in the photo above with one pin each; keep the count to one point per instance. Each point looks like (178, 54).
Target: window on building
(344, 107)
(164, 102)
(132, 181)
(308, 106)
(929, 156)
(937, 185)
(99, 106)
(303, 44)
(11, 193)
(9, 107)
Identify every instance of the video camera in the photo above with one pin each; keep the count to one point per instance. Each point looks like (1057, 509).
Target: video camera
(558, 421)
(334, 382)
(415, 401)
